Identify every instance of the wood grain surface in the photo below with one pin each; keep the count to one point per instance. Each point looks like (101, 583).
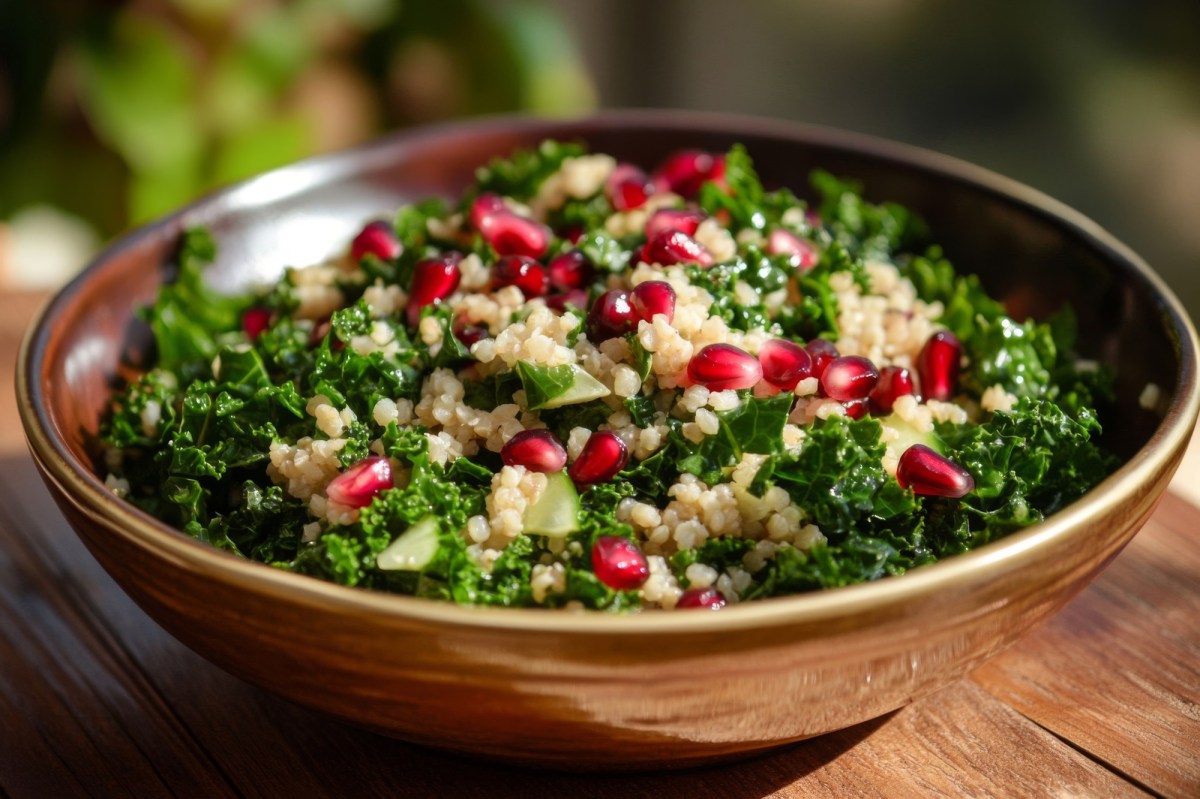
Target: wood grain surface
(96, 700)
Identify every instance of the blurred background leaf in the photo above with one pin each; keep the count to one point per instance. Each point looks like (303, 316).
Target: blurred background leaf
(114, 112)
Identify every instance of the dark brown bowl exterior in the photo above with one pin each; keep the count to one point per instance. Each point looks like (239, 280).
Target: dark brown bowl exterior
(651, 690)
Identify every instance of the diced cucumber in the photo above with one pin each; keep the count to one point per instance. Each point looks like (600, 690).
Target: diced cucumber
(909, 435)
(556, 513)
(584, 388)
(556, 386)
(413, 550)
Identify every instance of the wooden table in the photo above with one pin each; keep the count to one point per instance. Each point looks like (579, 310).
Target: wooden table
(96, 700)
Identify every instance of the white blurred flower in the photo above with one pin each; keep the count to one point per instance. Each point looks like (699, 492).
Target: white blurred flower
(42, 247)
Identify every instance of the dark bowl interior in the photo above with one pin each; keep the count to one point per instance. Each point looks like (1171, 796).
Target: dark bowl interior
(1033, 260)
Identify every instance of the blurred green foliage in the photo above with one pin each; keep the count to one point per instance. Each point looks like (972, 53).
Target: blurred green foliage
(119, 112)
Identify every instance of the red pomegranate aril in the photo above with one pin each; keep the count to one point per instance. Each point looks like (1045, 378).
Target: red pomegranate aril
(572, 233)
(723, 366)
(938, 365)
(611, 315)
(507, 232)
(377, 239)
(680, 219)
(618, 563)
(652, 298)
(471, 333)
(849, 377)
(894, 383)
(510, 234)
(575, 297)
(570, 270)
(822, 353)
(705, 598)
(361, 483)
(930, 474)
(604, 454)
(628, 187)
(320, 330)
(675, 247)
(801, 253)
(536, 450)
(485, 207)
(255, 322)
(687, 170)
(857, 408)
(763, 389)
(523, 272)
(784, 363)
(434, 279)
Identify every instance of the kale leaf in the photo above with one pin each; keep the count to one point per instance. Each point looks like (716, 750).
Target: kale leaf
(188, 316)
(837, 477)
(522, 174)
(755, 425)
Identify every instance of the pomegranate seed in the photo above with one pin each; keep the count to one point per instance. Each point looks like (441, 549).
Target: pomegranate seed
(894, 383)
(361, 483)
(784, 363)
(508, 233)
(675, 247)
(938, 365)
(471, 333)
(320, 330)
(485, 207)
(434, 279)
(764, 389)
(604, 454)
(850, 377)
(377, 239)
(801, 253)
(570, 270)
(255, 321)
(686, 171)
(515, 235)
(651, 298)
(723, 366)
(619, 563)
(572, 233)
(930, 474)
(523, 272)
(706, 598)
(536, 450)
(575, 297)
(857, 408)
(611, 315)
(680, 219)
(628, 187)
(822, 353)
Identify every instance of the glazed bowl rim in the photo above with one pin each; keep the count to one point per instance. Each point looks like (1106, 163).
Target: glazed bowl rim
(86, 491)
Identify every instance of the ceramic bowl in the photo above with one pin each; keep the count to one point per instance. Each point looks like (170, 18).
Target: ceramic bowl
(650, 690)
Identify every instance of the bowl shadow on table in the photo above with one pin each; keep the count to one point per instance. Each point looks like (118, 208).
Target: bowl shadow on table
(337, 749)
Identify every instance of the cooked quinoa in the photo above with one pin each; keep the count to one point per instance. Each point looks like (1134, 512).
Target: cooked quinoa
(587, 386)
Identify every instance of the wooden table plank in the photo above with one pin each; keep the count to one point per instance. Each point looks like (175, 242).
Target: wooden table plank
(98, 699)
(16, 310)
(1118, 672)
